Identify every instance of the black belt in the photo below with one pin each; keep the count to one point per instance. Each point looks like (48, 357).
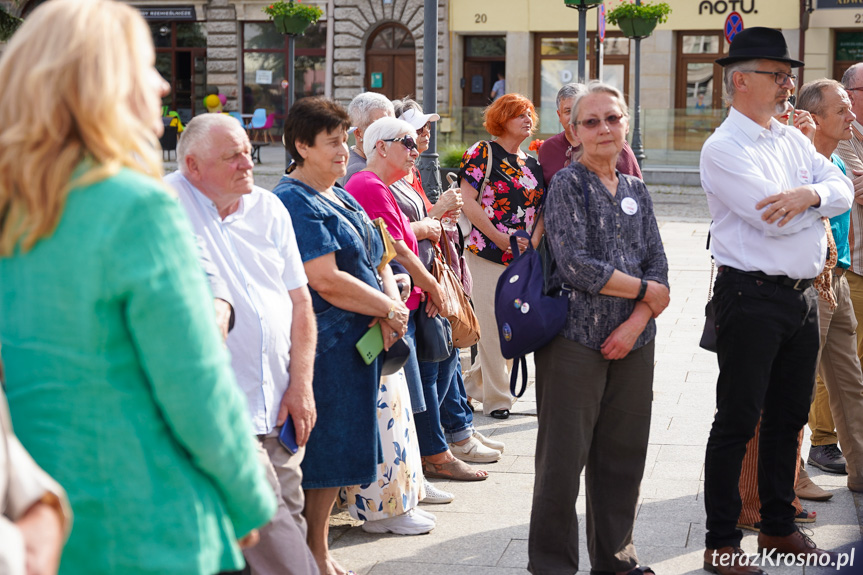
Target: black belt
(786, 281)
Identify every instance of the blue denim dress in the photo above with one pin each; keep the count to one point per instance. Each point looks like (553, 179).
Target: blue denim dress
(344, 447)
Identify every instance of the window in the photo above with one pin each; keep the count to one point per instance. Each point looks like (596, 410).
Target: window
(181, 58)
(699, 79)
(265, 66)
(556, 64)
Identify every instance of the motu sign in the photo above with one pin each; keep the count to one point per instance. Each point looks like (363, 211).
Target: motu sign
(840, 3)
(723, 6)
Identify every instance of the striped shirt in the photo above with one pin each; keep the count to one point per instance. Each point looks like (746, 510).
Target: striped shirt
(851, 152)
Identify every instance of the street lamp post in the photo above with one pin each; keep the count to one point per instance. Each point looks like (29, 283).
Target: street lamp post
(637, 145)
(582, 8)
(292, 38)
(427, 163)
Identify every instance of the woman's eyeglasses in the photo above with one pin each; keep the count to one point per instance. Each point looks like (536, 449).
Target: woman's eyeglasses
(592, 123)
(407, 141)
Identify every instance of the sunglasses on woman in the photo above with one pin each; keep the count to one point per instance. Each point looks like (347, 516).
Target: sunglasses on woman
(406, 140)
(591, 123)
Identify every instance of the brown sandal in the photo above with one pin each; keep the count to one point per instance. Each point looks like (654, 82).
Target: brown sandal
(455, 470)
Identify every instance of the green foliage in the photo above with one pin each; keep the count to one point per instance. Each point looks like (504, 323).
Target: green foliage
(451, 155)
(629, 9)
(291, 8)
(8, 24)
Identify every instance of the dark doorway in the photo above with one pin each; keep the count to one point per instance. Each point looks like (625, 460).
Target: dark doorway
(485, 56)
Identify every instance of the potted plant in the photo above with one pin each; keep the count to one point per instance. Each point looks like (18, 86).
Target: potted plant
(292, 17)
(638, 20)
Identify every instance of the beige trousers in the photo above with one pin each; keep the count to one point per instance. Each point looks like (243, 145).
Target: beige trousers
(282, 549)
(487, 380)
(839, 368)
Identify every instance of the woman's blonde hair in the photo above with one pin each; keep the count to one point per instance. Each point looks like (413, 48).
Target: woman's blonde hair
(76, 92)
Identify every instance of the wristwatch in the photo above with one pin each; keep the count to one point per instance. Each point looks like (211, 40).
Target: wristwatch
(642, 291)
(392, 312)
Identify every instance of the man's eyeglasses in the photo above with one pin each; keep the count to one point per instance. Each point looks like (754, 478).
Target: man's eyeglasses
(779, 77)
(406, 140)
(592, 123)
(854, 89)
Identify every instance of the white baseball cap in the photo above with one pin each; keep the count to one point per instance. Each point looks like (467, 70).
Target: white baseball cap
(417, 119)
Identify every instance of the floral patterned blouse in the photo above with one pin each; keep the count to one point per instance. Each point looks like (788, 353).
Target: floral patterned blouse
(511, 198)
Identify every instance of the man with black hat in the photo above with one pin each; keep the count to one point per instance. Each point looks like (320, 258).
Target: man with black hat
(767, 189)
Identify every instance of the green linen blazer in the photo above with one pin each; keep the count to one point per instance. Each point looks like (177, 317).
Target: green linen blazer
(121, 389)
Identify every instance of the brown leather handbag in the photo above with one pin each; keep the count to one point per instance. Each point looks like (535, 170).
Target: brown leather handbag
(465, 325)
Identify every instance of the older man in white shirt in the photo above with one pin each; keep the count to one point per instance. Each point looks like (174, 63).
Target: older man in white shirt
(768, 190)
(250, 238)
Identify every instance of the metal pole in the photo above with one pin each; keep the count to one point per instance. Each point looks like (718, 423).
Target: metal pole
(427, 163)
(291, 40)
(637, 146)
(582, 42)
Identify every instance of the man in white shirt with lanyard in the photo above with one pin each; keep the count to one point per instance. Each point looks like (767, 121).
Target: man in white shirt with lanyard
(767, 190)
(250, 238)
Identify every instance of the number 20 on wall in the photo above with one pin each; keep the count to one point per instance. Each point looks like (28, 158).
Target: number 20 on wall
(480, 18)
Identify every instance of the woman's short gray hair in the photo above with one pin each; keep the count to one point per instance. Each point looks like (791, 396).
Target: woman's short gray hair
(569, 91)
(385, 128)
(405, 104)
(361, 107)
(597, 87)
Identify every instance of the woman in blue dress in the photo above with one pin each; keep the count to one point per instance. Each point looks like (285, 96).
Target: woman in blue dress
(341, 251)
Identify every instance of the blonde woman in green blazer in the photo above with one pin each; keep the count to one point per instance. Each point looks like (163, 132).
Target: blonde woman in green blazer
(118, 382)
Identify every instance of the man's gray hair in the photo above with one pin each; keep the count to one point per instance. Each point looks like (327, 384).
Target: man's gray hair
(384, 129)
(362, 106)
(569, 91)
(729, 77)
(197, 132)
(810, 96)
(849, 78)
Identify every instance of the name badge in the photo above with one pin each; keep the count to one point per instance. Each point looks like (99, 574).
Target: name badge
(804, 175)
(629, 206)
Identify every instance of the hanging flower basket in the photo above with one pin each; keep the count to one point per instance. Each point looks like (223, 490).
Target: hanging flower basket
(291, 17)
(637, 27)
(638, 20)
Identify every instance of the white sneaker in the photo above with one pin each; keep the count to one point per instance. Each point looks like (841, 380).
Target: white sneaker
(422, 513)
(408, 523)
(490, 443)
(435, 495)
(474, 451)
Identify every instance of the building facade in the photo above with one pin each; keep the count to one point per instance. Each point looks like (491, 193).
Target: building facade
(229, 47)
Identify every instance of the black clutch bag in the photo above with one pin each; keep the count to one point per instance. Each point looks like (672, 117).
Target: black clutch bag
(433, 336)
(708, 334)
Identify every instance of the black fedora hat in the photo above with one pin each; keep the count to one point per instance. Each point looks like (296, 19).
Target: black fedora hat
(759, 43)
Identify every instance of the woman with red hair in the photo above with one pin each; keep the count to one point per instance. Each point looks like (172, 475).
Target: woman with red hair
(500, 196)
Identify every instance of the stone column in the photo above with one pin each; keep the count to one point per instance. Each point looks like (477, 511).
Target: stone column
(223, 51)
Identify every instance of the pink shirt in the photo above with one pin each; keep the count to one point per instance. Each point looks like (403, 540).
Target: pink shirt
(378, 202)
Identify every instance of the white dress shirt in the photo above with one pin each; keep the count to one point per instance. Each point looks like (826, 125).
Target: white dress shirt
(256, 252)
(741, 164)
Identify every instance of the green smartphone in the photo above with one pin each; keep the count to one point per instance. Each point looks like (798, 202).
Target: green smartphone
(371, 344)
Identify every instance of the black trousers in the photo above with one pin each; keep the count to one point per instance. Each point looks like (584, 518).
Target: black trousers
(767, 340)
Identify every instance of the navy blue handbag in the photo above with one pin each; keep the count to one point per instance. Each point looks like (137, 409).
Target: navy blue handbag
(529, 312)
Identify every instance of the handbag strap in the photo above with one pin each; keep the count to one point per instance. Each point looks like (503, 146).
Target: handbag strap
(487, 168)
(517, 362)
